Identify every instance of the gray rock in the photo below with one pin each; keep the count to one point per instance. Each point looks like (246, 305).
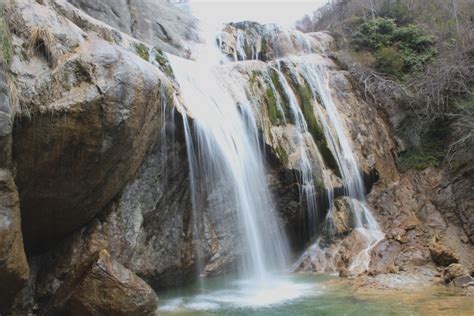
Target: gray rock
(87, 127)
(463, 281)
(156, 22)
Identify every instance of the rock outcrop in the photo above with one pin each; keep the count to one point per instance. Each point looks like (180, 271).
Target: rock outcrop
(155, 22)
(423, 235)
(14, 269)
(102, 286)
(85, 124)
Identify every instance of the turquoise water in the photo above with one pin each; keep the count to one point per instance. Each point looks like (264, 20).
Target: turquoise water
(307, 295)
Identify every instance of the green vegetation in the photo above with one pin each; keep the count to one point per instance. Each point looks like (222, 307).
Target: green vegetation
(417, 161)
(416, 59)
(6, 49)
(283, 97)
(282, 154)
(277, 112)
(163, 61)
(305, 96)
(398, 50)
(142, 51)
(275, 115)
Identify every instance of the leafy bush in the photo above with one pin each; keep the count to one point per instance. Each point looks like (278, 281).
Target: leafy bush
(390, 60)
(398, 50)
(374, 34)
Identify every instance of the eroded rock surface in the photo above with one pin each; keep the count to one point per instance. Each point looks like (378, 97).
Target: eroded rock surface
(14, 270)
(155, 22)
(102, 286)
(85, 125)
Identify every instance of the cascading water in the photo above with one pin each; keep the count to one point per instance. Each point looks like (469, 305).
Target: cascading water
(288, 44)
(226, 162)
(226, 158)
(317, 78)
(307, 187)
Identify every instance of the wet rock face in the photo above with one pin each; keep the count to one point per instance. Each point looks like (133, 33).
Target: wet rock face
(155, 22)
(6, 119)
(102, 286)
(14, 268)
(248, 40)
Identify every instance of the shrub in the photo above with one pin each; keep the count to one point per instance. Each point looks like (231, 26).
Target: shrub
(398, 50)
(390, 61)
(374, 34)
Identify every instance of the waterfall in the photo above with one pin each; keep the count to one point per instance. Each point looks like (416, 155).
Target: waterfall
(316, 77)
(306, 178)
(226, 161)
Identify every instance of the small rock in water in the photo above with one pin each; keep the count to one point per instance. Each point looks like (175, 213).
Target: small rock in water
(464, 281)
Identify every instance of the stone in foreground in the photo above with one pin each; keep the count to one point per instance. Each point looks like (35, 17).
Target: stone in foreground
(103, 286)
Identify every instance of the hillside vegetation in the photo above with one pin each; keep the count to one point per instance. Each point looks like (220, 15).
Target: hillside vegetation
(415, 60)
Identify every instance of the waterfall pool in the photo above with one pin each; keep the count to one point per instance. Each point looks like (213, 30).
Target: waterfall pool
(308, 294)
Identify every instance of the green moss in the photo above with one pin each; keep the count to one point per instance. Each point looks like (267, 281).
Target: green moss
(275, 115)
(6, 48)
(306, 102)
(142, 51)
(283, 96)
(164, 63)
(431, 148)
(417, 161)
(282, 154)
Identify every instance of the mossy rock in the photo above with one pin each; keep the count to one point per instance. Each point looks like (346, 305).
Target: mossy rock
(306, 102)
(283, 96)
(274, 114)
(161, 59)
(142, 51)
(282, 154)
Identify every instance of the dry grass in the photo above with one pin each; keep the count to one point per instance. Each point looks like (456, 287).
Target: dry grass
(12, 93)
(41, 42)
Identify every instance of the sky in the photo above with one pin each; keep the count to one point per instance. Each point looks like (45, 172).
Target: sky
(283, 12)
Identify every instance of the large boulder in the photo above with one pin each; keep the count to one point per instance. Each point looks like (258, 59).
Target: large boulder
(87, 121)
(102, 286)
